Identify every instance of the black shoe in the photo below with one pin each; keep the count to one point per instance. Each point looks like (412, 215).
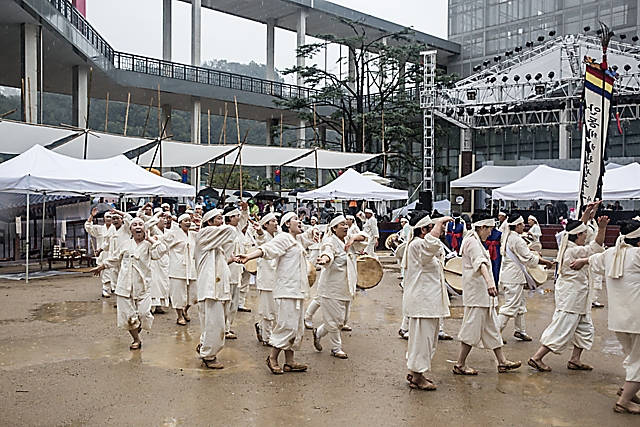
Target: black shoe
(258, 332)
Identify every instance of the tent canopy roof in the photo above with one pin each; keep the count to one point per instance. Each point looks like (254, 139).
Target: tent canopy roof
(43, 171)
(490, 176)
(353, 186)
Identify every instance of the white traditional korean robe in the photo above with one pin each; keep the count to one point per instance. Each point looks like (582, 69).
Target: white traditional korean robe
(214, 289)
(248, 245)
(113, 240)
(134, 282)
(425, 300)
(370, 227)
(624, 304)
(265, 278)
(182, 270)
(480, 322)
(512, 279)
(571, 321)
(232, 248)
(99, 232)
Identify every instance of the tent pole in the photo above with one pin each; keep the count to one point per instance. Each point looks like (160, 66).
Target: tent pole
(44, 198)
(27, 257)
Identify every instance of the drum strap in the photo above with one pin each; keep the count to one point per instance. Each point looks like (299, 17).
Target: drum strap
(532, 283)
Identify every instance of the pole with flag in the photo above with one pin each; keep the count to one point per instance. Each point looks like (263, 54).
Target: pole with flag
(598, 89)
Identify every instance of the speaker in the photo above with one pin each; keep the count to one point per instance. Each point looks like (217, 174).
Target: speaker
(425, 199)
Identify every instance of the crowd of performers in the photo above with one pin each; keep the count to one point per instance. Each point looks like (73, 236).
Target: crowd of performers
(150, 263)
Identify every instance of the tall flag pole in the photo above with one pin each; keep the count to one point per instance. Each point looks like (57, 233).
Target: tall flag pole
(598, 89)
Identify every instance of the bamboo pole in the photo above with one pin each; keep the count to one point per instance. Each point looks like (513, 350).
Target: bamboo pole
(146, 121)
(235, 101)
(384, 150)
(106, 119)
(208, 127)
(86, 133)
(126, 116)
(224, 124)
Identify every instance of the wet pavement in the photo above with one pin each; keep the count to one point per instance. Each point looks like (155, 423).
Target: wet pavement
(63, 362)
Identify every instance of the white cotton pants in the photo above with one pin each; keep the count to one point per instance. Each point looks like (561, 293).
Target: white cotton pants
(212, 327)
(182, 293)
(480, 328)
(243, 290)
(267, 312)
(405, 324)
(423, 340)
(108, 284)
(232, 310)
(134, 314)
(289, 329)
(314, 306)
(515, 305)
(334, 312)
(566, 328)
(631, 347)
(371, 248)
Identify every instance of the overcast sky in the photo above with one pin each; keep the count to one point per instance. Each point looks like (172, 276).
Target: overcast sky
(135, 26)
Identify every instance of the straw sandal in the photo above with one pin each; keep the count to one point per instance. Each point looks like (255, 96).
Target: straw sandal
(459, 371)
(294, 367)
(136, 345)
(538, 367)
(579, 366)
(509, 366)
(212, 364)
(624, 410)
(274, 369)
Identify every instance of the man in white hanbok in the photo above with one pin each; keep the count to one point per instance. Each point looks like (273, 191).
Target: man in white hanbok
(214, 288)
(370, 227)
(289, 290)
(620, 266)
(265, 278)
(248, 245)
(99, 232)
(571, 323)
(118, 233)
(183, 286)
(134, 258)
(425, 299)
(479, 296)
(237, 219)
(337, 282)
(516, 257)
(160, 267)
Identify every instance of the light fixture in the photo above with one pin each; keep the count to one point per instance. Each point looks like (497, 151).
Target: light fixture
(518, 49)
(587, 28)
(505, 109)
(635, 38)
(516, 78)
(538, 76)
(623, 36)
(551, 74)
(449, 112)
(483, 111)
(541, 38)
(497, 58)
(539, 89)
(552, 33)
(627, 67)
(477, 68)
(471, 95)
(529, 44)
(615, 68)
(562, 105)
(470, 111)
(461, 111)
(505, 78)
(492, 79)
(528, 76)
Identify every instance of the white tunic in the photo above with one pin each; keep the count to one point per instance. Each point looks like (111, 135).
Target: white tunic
(474, 287)
(99, 232)
(370, 227)
(339, 276)
(181, 253)
(134, 279)
(211, 262)
(535, 232)
(116, 237)
(624, 292)
(266, 273)
(510, 272)
(291, 279)
(235, 247)
(572, 292)
(425, 293)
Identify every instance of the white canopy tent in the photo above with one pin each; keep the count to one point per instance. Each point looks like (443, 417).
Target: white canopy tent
(39, 170)
(353, 186)
(489, 177)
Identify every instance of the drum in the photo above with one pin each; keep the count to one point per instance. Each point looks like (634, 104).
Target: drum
(251, 266)
(392, 242)
(535, 246)
(311, 273)
(400, 251)
(369, 272)
(454, 280)
(538, 275)
(454, 265)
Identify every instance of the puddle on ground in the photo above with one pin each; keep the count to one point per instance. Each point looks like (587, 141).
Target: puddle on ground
(61, 312)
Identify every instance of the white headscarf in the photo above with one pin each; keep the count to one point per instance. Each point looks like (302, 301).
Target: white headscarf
(565, 240)
(286, 217)
(268, 217)
(617, 268)
(335, 221)
(506, 232)
(183, 217)
(232, 213)
(210, 215)
(532, 218)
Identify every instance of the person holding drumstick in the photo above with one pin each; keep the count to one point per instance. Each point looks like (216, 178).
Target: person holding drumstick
(479, 297)
(425, 299)
(337, 283)
(290, 286)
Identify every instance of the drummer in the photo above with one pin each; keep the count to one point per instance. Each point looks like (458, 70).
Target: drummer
(337, 282)
(425, 300)
(513, 276)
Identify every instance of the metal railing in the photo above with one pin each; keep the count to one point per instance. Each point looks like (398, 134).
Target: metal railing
(81, 24)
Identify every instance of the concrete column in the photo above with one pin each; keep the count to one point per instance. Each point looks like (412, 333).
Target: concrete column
(29, 71)
(301, 31)
(166, 114)
(271, 39)
(79, 94)
(564, 136)
(166, 30)
(196, 110)
(196, 32)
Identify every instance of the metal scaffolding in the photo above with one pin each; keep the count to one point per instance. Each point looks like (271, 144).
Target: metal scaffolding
(427, 100)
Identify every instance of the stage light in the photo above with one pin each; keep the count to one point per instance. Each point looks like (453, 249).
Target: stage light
(587, 28)
(477, 68)
(505, 78)
(627, 67)
(471, 95)
(598, 32)
(539, 89)
(507, 53)
(515, 129)
(487, 62)
(516, 78)
(505, 109)
(497, 58)
(528, 76)
(551, 74)
(615, 68)
(635, 38)
(529, 44)
(498, 131)
(538, 76)
(552, 33)
(460, 111)
(623, 36)
(449, 112)
(470, 111)
(562, 105)
(492, 79)
(541, 38)
(518, 49)
(483, 111)
(492, 110)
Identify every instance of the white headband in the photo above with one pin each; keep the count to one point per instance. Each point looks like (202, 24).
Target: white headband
(211, 214)
(505, 234)
(108, 215)
(519, 220)
(157, 210)
(565, 241)
(502, 213)
(268, 217)
(617, 268)
(183, 217)
(337, 220)
(533, 218)
(368, 211)
(489, 222)
(286, 217)
(232, 213)
(351, 217)
(198, 206)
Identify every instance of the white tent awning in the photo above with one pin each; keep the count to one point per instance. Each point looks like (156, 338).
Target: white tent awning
(178, 154)
(41, 170)
(17, 137)
(489, 177)
(99, 145)
(332, 160)
(353, 186)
